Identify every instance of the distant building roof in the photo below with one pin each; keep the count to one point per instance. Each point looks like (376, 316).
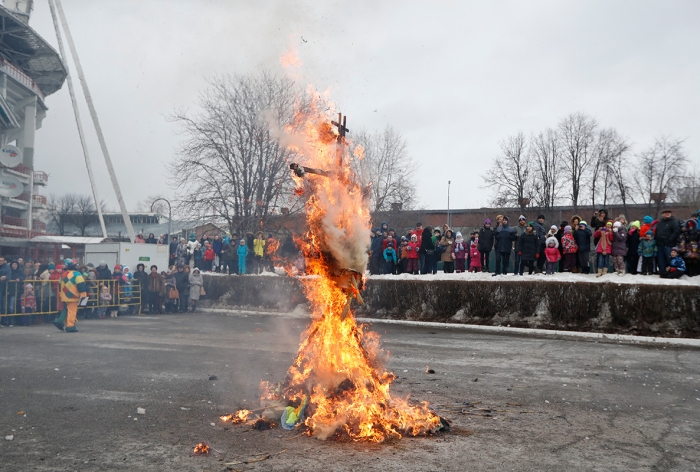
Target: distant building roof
(67, 240)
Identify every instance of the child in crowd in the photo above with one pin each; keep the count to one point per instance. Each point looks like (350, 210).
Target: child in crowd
(604, 248)
(28, 305)
(570, 248)
(552, 254)
(413, 249)
(390, 260)
(242, 256)
(619, 247)
(105, 299)
(404, 255)
(459, 253)
(476, 256)
(676, 266)
(582, 236)
(647, 251)
(689, 241)
(209, 257)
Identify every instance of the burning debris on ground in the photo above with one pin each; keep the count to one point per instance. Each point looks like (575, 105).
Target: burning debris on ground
(201, 448)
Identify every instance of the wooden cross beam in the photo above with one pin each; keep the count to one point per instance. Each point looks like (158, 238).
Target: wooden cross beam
(342, 128)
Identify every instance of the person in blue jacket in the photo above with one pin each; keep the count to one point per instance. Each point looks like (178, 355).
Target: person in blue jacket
(242, 255)
(390, 259)
(676, 266)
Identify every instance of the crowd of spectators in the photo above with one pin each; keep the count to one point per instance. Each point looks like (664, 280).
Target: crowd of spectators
(666, 247)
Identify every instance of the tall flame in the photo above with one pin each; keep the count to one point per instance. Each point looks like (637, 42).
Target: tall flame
(339, 364)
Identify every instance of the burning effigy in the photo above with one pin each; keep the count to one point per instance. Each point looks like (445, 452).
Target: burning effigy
(338, 386)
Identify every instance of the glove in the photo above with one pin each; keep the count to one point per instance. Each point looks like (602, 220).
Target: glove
(520, 253)
(672, 269)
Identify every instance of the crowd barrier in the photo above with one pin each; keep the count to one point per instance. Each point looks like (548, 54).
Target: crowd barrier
(16, 300)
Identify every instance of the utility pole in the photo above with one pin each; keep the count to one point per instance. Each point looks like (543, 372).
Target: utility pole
(95, 121)
(76, 112)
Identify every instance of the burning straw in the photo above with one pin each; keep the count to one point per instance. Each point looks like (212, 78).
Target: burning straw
(339, 366)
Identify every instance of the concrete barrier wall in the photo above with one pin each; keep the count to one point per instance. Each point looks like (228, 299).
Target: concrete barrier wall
(648, 310)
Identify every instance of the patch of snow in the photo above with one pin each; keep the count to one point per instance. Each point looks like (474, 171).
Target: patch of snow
(141, 411)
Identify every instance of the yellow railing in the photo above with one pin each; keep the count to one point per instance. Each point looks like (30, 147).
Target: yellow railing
(16, 299)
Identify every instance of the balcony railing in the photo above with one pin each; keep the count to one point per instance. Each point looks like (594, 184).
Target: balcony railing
(21, 169)
(20, 77)
(41, 178)
(24, 197)
(39, 200)
(14, 221)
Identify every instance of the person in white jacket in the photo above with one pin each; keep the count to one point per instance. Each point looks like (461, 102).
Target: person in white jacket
(192, 246)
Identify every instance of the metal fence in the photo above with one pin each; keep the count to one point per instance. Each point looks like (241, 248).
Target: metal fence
(43, 298)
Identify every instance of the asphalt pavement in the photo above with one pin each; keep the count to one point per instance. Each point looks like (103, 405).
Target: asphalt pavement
(69, 401)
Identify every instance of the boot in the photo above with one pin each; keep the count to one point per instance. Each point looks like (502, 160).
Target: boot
(605, 271)
(600, 272)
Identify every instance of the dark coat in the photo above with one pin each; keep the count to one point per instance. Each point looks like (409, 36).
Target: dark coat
(142, 278)
(426, 242)
(103, 273)
(182, 279)
(541, 233)
(376, 246)
(505, 235)
(619, 245)
(632, 242)
(529, 246)
(583, 239)
(486, 239)
(667, 232)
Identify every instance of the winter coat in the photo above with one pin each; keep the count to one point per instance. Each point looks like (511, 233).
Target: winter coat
(196, 284)
(605, 239)
(632, 242)
(103, 273)
(181, 281)
(390, 255)
(242, 251)
(583, 239)
(619, 243)
(217, 245)
(181, 252)
(142, 278)
(647, 248)
(228, 252)
(426, 243)
(418, 233)
(568, 244)
(667, 232)
(475, 254)
(259, 247)
(447, 243)
(519, 230)
(541, 232)
(156, 283)
(505, 235)
(209, 254)
(528, 246)
(486, 239)
(404, 250)
(459, 249)
(376, 246)
(676, 264)
(689, 242)
(413, 249)
(552, 254)
(191, 246)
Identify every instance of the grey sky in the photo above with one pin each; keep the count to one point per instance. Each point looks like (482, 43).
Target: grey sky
(454, 77)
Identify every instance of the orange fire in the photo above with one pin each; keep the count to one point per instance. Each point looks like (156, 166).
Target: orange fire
(339, 364)
(241, 416)
(201, 448)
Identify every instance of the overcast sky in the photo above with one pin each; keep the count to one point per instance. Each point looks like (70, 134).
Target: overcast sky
(454, 77)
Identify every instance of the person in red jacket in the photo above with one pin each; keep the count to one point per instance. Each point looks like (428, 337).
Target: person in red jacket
(413, 248)
(604, 247)
(552, 254)
(209, 257)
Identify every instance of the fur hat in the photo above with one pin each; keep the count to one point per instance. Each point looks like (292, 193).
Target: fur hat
(552, 240)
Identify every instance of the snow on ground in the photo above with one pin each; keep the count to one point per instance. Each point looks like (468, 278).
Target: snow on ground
(558, 277)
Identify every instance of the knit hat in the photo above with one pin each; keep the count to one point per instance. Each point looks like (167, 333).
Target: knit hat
(540, 217)
(567, 229)
(649, 233)
(117, 267)
(617, 224)
(647, 220)
(51, 266)
(459, 235)
(531, 223)
(609, 223)
(583, 223)
(242, 241)
(675, 249)
(413, 236)
(553, 227)
(505, 218)
(521, 218)
(403, 238)
(487, 221)
(634, 224)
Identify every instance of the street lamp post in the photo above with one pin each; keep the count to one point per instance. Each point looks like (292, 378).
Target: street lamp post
(449, 216)
(170, 214)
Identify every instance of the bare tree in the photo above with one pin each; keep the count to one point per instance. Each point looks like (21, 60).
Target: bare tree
(85, 214)
(547, 172)
(658, 170)
(619, 171)
(577, 135)
(230, 167)
(608, 147)
(509, 174)
(62, 211)
(687, 192)
(382, 161)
